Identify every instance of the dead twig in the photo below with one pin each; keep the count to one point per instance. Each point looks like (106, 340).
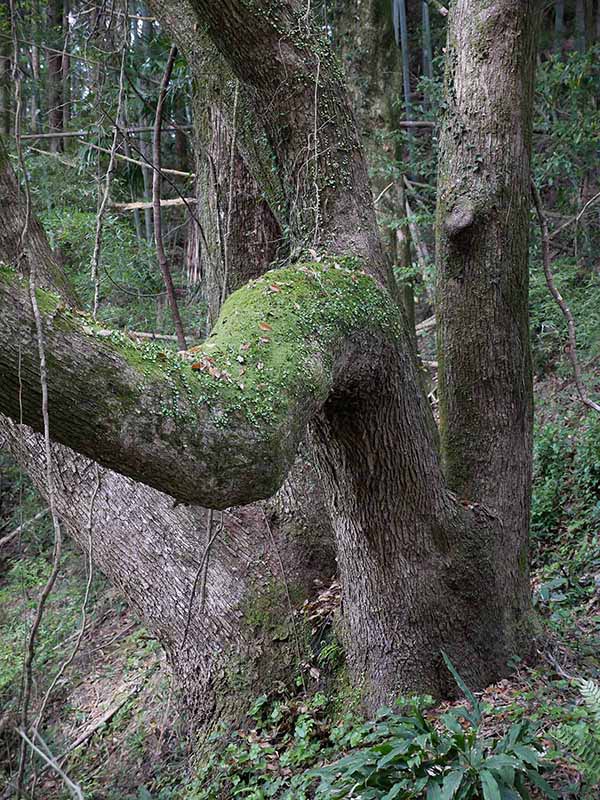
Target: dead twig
(566, 311)
(174, 201)
(103, 720)
(576, 218)
(122, 157)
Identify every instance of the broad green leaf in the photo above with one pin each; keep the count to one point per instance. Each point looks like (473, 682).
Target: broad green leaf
(451, 783)
(450, 721)
(509, 794)
(527, 754)
(396, 751)
(393, 792)
(501, 760)
(536, 778)
(433, 791)
(489, 785)
(464, 688)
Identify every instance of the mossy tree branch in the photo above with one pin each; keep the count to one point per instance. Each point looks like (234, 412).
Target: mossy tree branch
(219, 426)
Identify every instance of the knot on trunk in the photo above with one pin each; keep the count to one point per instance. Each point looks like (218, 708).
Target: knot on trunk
(459, 221)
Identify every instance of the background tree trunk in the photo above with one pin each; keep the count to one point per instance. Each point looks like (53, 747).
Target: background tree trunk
(55, 18)
(482, 312)
(5, 72)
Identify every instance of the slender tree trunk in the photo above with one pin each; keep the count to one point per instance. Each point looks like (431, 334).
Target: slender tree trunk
(580, 27)
(137, 219)
(55, 16)
(559, 24)
(156, 194)
(236, 219)
(66, 67)
(141, 40)
(34, 61)
(5, 74)
(482, 307)
(426, 34)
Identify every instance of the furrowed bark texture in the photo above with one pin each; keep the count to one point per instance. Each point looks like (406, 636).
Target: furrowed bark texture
(241, 635)
(317, 344)
(483, 226)
(299, 95)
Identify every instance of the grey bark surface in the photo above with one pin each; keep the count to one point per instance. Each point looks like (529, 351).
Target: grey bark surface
(55, 16)
(151, 547)
(482, 309)
(298, 90)
(421, 569)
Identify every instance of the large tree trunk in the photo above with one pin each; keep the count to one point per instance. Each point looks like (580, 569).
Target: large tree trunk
(318, 344)
(483, 234)
(240, 634)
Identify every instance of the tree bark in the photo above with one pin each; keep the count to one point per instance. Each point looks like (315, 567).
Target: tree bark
(323, 177)
(5, 70)
(482, 308)
(421, 569)
(580, 19)
(559, 24)
(240, 633)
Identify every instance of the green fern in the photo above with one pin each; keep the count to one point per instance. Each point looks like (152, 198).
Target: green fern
(590, 691)
(582, 739)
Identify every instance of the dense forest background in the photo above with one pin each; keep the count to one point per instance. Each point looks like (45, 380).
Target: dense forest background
(80, 86)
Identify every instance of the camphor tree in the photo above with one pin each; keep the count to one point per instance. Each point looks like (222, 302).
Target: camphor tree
(431, 543)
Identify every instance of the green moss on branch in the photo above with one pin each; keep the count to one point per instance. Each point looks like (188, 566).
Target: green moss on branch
(219, 424)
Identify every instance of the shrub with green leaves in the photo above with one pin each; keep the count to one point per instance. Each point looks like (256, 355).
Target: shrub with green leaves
(409, 756)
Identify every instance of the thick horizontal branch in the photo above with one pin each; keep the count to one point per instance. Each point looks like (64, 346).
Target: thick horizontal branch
(218, 426)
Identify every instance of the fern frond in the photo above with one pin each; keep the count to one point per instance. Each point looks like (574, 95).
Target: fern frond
(584, 744)
(590, 691)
